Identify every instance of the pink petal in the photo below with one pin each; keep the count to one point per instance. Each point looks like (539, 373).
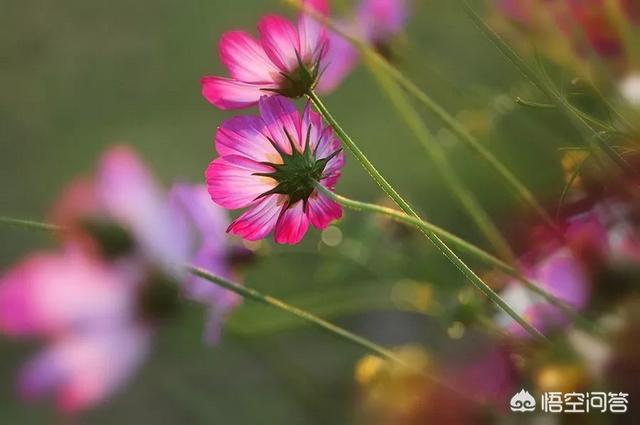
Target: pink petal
(232, 184)
(562, 276)
(259, 221)
(322, 210)
(85, 370)
(333, 170)
(282, 120)
(381, 19)
(132, 196)
(311, 127)
(280, 41)
(320, 6)
(341, 58)
(313, 36)
(50, 294)
(232, 94)
(246, 136)
(207, 220)
(329, 143)
(292, 224)
(246, 60)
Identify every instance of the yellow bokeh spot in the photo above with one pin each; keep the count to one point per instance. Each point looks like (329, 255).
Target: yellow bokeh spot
(563, 378)
(367, 368)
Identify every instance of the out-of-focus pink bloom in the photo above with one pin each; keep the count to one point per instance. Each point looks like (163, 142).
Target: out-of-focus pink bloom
(382, 19)
(123, 195)
(562, 275)
(270, 163)
(375, 22)
(490, 378)
(579, 20)
(127, 242)
(89, 313)
(518, 10)
(286, 60)
(167, 230)
(208, 223)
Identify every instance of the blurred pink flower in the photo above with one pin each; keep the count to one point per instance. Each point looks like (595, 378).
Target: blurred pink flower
(561, 274)
(580, 20)
(208, 222)
(120, 275)
(88, 312)
(286, 60)
(490, 378)
(269, 163)
(375, 22)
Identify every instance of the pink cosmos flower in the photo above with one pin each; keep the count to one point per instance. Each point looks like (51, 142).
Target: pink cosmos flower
(375, 22)
(270, 163)
(89, 314)
(285, 60)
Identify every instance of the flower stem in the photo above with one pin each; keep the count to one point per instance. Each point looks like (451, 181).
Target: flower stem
(377, 60)
(257, 296)
(336, 330)
(462, 245)
(439, 158)
(395, 196)
(29, 224)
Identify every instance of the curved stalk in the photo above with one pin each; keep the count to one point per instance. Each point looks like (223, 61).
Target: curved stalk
(447, 119)
(439, 158)
(440, 245)
(462, 245)
(255, 295)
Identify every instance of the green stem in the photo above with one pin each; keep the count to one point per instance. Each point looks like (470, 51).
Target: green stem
(449, 121)
(29, 224)
(444, 249)
(462, 245)
(257, 296)
(471, 141)
(342, 333)
(439, 158)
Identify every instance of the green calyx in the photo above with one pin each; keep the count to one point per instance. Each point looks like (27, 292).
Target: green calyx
(298, 172)
(299, 82)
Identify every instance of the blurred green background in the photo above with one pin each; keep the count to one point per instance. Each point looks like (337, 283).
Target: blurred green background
(77, 76)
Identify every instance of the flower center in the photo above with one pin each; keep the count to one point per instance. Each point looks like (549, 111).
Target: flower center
(298, 172)
(159, 297)
(114, 240)
(300, 81)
